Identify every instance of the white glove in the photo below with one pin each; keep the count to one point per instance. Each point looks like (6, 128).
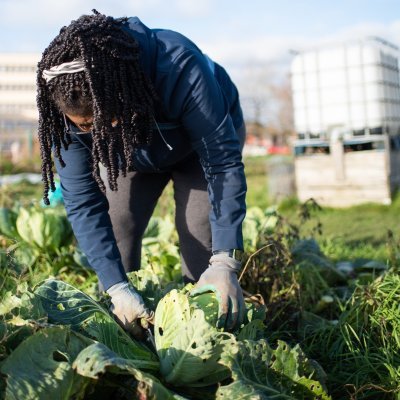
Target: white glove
(128, 307)
(221, 278)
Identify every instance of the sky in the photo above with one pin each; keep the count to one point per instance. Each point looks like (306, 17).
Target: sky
(233, 32)
(236, 33)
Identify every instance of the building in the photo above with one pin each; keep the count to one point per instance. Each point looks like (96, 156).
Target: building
(346, 101)
(18, 111)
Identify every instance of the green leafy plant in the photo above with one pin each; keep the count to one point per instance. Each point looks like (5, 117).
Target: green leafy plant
(260, 372)
(191, 352)
(188, 345)
(67, 305)
(48, 229)
(362, 348)
(41, 366)
(8, 223)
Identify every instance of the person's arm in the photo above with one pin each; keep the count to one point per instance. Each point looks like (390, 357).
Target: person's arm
(87, 210)
(205, 116)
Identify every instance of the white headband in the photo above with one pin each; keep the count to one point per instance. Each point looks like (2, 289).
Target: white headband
(65, 68)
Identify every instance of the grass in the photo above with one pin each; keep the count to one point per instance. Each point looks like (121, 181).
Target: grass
(359, 231)
(361, 350)
(24, 192)
(257, 181)
(367, 223)
(352, 233)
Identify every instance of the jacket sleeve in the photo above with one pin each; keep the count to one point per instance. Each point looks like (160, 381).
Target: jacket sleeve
(205, 116)
(87, 210)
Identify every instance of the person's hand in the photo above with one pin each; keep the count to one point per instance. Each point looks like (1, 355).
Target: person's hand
(129, 308)
(221, 278)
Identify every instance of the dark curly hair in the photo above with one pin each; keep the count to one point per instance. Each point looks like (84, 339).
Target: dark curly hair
(112, 85)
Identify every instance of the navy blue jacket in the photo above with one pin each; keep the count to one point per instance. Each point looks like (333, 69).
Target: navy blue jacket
(199, 112)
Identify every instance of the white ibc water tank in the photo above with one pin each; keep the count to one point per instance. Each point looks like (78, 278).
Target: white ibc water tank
(353, 85)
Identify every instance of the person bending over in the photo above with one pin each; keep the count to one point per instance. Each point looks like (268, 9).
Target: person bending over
(123, 110)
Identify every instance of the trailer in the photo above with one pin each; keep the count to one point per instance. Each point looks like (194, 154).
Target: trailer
(346, 101)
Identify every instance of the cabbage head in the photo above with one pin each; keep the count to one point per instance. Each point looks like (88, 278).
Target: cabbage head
(188, 345)
(47, 229)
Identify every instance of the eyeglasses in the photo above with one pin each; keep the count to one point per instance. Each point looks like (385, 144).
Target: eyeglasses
(86, 127)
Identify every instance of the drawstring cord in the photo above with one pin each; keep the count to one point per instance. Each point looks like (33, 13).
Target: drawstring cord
(162, 137)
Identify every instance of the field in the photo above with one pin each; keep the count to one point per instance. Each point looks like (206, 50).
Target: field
(322, 321)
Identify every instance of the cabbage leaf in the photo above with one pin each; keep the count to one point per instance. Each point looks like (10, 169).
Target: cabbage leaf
(259, 372)
(41, 366)
(97, 359)
(67, 305)
(189, 347)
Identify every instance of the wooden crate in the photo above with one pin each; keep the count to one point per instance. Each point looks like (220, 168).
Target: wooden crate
(343, 179)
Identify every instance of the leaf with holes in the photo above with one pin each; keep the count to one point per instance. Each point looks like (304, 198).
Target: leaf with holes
(189, 347)
(208, 303)
(96, 360)
(69, 306)
(150, 286)
(41, 366)
(259, 372)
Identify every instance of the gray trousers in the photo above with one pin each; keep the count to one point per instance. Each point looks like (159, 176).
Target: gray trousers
(132, 205)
